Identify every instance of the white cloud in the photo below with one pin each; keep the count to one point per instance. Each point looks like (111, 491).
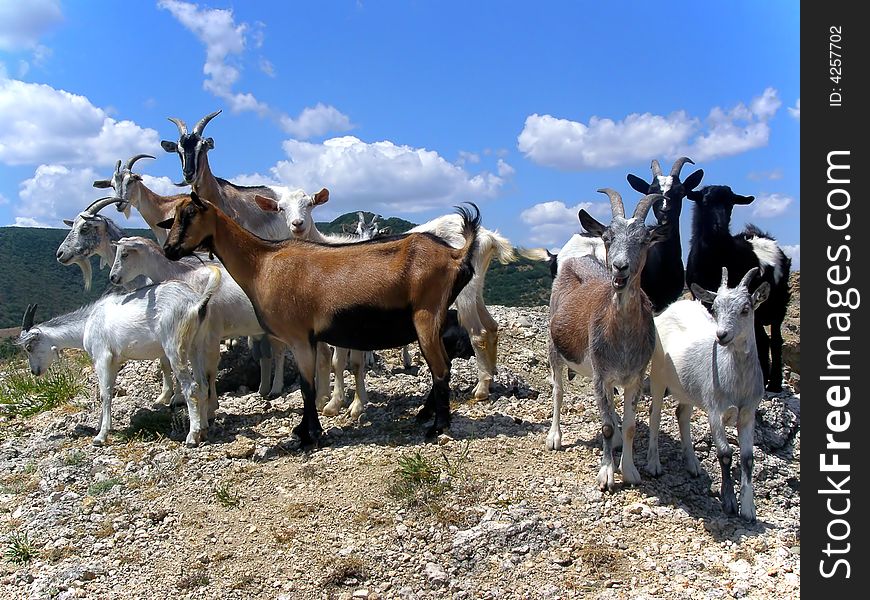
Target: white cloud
(552, 223)
(315, 122)
(23, 23)
(223, 39)
(794, 253)
(466, 157)
(57, 192)
(773, 174)
(605, 143)
(163, 185)
(796, 110)
(225, 43)
(770, 205)
(267, 67)
(43, 125)
(379, 176)
(504, 169)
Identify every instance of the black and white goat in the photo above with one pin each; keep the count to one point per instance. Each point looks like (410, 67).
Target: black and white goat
(663, 277)
(713, 247)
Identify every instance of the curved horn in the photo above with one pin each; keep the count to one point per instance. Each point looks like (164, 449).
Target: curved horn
(204, 121)
(27, 321)
(118, 166)
(656, 168)
(724, 282)
(97, 205)
(642, 208)
(133, 160)
(182, 127)
(750, 274)
(678, 166)
(616, 206)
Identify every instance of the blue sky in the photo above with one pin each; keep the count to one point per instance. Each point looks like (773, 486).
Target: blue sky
(407, 108)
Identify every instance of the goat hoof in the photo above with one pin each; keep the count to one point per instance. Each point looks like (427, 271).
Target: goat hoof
(434, 431)
(630, 474)
(606, 481)
(331, 409)
(99, 441)
(425, 414)
(308, 437)
(729, 504)
(693, 466)
(554, 441)
(653, 468)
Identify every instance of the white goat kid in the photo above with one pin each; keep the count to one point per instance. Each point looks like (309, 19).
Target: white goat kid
(473, 315)
(231, 313)
(711, 362)
(163, 319)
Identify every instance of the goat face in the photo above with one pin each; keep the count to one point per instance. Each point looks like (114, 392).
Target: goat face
(190, 147)
(296, 206)
(715, 204)
(670, 186)
(87, 234)
(122, 181)
(191, 227)
(626, 242)
(734, 308)
(40, 352)
(128, 255)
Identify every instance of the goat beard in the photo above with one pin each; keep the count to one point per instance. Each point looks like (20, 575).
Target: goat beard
(85, 265)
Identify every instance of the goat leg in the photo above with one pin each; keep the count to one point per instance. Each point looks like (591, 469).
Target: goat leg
(775, 379)
(309, 430)
(725, 454)
(746, 435)
(603, 396)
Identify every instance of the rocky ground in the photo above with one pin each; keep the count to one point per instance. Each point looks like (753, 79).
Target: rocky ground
(485, 512)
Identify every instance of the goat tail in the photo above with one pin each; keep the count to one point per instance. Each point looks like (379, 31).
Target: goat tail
(498, 245)
(465, 255)
(543, 255)
(190, 327)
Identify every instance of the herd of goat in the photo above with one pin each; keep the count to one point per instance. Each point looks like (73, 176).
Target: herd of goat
(614, 308)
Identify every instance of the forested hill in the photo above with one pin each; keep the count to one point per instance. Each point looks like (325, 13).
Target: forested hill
(30, 273)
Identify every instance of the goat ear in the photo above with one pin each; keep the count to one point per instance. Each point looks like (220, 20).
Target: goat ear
(266, 204)
(695, 195)
(102, 183)
(659, 232)
(760, 294)
(167, 224)
(68, 222)
(321, 197)
(701, 294)
(590, 224)
(638, 184)
(209, 142)
(743, 199)
(693, 180)
(169, 146)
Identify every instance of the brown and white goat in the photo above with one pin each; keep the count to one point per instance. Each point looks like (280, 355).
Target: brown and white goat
(600, 314)
(304, 293)
(129, 186)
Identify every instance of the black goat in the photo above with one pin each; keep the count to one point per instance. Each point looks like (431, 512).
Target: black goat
(663, 277)
(713, 247)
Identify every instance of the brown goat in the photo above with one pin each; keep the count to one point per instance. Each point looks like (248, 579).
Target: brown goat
(600, 317)
(304, 293)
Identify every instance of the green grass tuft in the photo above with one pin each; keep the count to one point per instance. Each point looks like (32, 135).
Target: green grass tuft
(101, 487)
(19, 548)
(226, 497)
(23, 395)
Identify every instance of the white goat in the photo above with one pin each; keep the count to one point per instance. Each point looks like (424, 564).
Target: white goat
(231, 313)
(297, 207)
(163, 319)
(711, 362)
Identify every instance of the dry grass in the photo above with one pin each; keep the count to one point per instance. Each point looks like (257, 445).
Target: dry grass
(346, 568)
